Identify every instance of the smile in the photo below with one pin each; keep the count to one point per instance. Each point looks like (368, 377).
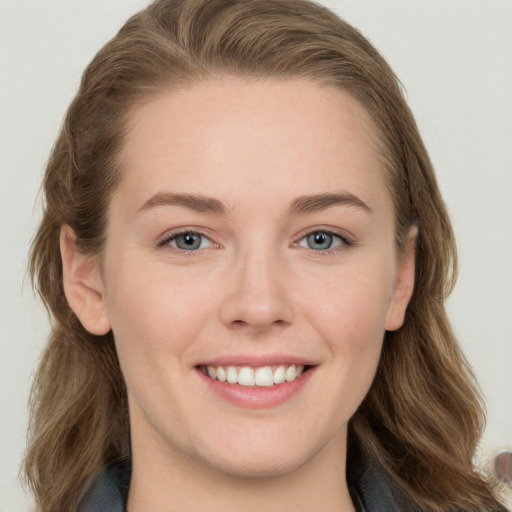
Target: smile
(251, 376)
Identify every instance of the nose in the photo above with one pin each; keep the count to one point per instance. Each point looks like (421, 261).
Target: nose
(257, 294)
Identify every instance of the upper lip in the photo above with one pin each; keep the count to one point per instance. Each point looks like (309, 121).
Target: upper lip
(257, 360)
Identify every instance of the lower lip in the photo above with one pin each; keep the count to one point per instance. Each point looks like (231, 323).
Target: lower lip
(257, 397)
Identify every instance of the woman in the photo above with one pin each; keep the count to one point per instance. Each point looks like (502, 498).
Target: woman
(246, 256)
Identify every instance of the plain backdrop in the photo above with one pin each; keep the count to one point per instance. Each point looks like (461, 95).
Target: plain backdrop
(454, 58)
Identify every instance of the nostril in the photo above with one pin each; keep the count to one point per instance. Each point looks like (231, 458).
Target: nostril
(258, 323)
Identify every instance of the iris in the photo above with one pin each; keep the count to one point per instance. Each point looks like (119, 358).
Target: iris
(319, 240)
(188, 241)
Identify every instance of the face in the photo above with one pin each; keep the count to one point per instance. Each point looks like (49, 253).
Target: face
(249, 273)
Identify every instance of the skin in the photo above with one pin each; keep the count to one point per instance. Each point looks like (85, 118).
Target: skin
(254, 286)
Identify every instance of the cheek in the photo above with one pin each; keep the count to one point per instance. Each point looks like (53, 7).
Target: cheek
(351, 309)
(156, 320)
(154, 314)
(350, 317)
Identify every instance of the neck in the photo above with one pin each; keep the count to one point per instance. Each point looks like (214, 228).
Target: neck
(165, 482)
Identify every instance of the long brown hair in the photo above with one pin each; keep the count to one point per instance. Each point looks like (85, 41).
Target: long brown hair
(423, 415)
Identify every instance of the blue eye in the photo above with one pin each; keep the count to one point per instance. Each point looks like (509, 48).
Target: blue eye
(188, 241)
(322, 241)
(319, 241)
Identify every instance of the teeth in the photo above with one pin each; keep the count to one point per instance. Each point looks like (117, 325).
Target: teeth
(262, 376)
(221, 374)
(231, 375)
(279, 375)
(290, 373)
(246, 377)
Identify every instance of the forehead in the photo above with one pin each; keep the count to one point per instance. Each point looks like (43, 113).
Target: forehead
(229, 136)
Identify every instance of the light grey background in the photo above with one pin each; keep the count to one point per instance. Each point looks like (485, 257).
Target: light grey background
(454, 59)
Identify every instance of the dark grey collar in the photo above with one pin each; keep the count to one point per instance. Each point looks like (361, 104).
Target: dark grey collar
(377, 489)
(109, 490)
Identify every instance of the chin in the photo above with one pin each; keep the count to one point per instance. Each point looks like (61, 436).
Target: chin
(269, 467)
(259, 460)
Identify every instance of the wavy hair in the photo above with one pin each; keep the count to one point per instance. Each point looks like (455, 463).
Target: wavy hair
(423, 415)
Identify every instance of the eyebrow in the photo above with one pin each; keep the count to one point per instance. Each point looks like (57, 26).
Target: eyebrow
(195, 202)
(318, 202)
(300, 205)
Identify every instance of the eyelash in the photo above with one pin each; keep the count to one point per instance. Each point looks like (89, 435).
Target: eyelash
(170, 237)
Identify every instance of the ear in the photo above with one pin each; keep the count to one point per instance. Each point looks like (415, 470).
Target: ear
(404, 283)
(83, 284)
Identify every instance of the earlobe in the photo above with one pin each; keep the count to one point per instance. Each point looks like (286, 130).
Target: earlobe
(404, 283)
(83, 285)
